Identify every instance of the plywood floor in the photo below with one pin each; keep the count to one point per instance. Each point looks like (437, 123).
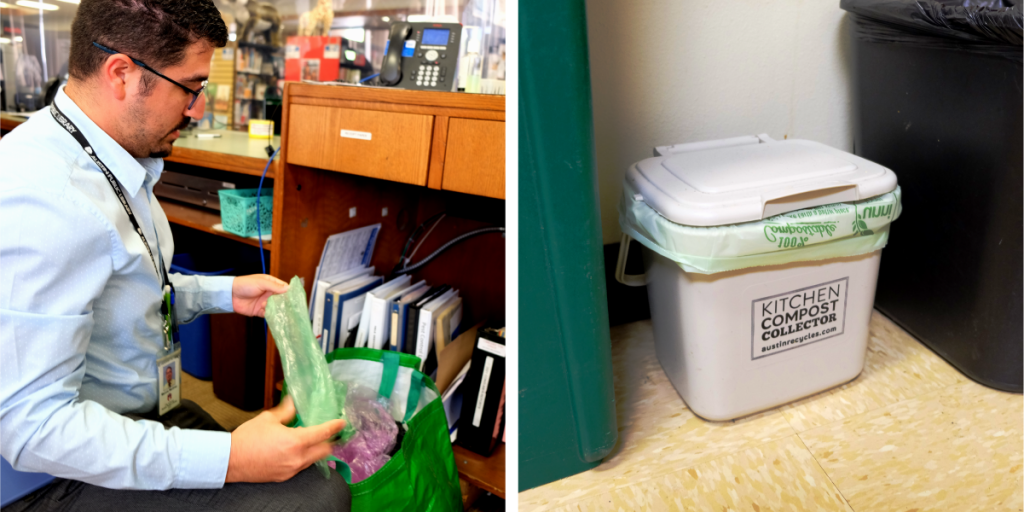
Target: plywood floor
(910, 434)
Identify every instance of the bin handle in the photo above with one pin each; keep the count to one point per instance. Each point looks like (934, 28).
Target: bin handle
(620, 267)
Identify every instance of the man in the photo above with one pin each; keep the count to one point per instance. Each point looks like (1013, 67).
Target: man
(85, 249)
(168, 376)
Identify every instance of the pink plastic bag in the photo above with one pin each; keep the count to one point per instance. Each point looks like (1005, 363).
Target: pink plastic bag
(367, 450)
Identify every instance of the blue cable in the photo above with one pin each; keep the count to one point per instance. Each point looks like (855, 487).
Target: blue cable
(371, 77)
(259, 230)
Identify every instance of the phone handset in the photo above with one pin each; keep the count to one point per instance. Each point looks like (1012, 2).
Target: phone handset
(391, 70)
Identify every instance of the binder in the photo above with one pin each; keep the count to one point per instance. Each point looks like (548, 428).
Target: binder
(413, 317)
(372, 327)
(399, 315)
(343, 301)
(482, 394)
(425, 332)
(390, 341)
(320, 295)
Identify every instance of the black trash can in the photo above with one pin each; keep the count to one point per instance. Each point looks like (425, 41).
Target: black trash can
(937, 99)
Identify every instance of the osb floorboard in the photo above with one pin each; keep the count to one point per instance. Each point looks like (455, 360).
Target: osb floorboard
(909, 434)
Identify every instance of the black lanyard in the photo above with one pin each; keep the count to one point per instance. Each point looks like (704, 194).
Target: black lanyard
(77, 134)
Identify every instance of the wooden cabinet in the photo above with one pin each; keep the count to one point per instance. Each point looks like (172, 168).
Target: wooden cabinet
(475, 158)
(392, 146)
(444, 141)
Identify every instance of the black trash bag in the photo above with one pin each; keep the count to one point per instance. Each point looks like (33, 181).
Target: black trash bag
(994, 27)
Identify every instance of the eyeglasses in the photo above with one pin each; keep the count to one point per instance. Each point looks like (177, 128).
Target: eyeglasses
(143, 65)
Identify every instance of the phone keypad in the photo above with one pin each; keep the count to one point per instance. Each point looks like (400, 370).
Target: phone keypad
(428, 75)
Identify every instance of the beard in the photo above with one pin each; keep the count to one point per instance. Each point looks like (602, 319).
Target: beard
(143, 140)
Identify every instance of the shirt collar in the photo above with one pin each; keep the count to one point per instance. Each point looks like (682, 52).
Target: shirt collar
(130, 171)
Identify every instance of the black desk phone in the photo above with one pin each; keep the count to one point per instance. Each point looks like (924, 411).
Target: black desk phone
(422, 56)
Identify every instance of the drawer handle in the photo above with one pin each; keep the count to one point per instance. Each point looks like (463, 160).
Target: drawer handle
(352, 134)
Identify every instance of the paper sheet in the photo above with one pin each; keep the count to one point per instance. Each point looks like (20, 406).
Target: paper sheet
(343, 251)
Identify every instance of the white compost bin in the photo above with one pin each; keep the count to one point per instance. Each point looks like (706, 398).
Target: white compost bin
(760, 259)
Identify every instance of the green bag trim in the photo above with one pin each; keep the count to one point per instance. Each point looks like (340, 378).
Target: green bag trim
(342, 468)
(415, 388)
(387, 378)
(372, 354)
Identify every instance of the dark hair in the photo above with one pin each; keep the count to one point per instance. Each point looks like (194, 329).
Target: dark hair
(156, 32)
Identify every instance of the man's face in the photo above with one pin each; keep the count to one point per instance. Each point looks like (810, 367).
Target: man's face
(154, 117)
(169, 374)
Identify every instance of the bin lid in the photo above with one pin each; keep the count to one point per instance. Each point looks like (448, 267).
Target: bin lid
(747, 179)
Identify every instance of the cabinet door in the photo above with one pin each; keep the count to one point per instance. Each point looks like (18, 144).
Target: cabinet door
(475, 158)
(386, 145)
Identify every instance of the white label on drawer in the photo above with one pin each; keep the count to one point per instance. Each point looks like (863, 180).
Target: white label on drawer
(332, 51)
(797, 318)
(227, 185)
(291, 51)
(352, 134)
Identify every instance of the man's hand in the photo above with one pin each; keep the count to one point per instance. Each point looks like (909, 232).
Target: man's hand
(264, 450)
(249, 294)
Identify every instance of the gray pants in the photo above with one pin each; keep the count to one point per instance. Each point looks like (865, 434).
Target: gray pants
(306, 491)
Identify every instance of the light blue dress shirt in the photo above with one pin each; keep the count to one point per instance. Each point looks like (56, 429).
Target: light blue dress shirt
(80, 328)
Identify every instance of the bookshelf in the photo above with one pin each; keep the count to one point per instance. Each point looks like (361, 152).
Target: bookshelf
(428, 152)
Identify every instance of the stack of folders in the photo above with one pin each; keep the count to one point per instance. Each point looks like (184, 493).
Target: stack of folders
(338, 303)
(410, 317)
(482, 421)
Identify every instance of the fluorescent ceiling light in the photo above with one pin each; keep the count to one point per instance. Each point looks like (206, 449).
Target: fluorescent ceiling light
(386, 18)
(4, 40)
(71, 1)
(18, 39)
(4, 5)
(37, 5)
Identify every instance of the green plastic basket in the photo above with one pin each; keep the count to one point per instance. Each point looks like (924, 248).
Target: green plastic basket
(238, 210)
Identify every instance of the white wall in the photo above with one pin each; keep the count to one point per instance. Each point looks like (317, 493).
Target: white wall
(670, 71)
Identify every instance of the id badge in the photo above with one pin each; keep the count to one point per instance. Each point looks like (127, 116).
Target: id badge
(168, 370)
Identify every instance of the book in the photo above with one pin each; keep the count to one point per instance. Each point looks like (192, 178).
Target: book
(482, 393)
(320, 294)
(399, 314)
(413, 316)
(425, 330)
(372, 328)
(350, 294)
(451, 399)
(389, 341)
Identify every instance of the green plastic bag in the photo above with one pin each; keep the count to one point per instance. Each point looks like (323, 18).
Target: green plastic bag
(311, 388)
(421, 475)
(819, 233)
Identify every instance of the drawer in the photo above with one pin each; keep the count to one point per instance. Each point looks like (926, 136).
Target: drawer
(386, 145)
(475, 158)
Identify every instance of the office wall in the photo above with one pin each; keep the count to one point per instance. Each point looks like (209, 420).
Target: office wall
(670, 71)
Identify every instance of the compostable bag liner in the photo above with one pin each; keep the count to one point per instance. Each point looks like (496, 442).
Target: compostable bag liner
(305, 369)
(819, 233)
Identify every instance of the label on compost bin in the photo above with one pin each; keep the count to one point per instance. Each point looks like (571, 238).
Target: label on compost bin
(798, 318)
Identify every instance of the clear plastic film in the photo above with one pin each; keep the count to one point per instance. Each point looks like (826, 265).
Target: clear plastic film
(823, 232)
(305, 369)
(992, 27)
